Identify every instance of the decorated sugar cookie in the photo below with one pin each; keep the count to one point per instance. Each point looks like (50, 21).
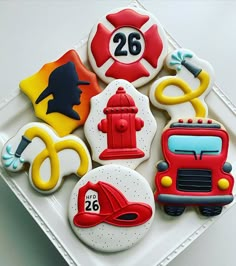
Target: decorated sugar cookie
(128, 44)
(184, 94)
(60, 92)
(111, 208)
(120, 126)
(195, 170)
(50, 157)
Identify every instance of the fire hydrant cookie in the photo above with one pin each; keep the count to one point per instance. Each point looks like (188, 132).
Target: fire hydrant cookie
(111, 208)
(195, 170)
(183, 94)
(127, 43)
(50, 157)
(60, 92)
(120, 127)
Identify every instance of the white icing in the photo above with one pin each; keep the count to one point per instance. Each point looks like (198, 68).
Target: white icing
(184, 109)
(98, 139)
(105, 237)
(69, 160)
(130, 58)
(153, 71)
(92, 202)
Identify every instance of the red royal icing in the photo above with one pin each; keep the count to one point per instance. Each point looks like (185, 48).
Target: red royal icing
(118, 70)
(127, 17)
(153, 46)
(101, 39)
(115, 209)
(121, 125)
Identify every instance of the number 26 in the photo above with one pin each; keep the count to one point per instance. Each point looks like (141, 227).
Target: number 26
(134, 45)
(91, 205)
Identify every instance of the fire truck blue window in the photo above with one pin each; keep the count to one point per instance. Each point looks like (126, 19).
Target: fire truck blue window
(195, 144)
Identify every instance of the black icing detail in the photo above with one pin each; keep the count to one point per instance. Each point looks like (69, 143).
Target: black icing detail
(208, 152)
(195, 125)
(162, 166)
(133, 43)
(227, 167)
(193, 200)
(210, 211)
(22, 146)
(174, 210)
(63, 85)
(191, 68)
(121, 39)
(188, 152)
(128, 217)
(194, 180)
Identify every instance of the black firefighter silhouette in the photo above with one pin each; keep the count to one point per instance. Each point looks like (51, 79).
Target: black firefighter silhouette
(63, 85)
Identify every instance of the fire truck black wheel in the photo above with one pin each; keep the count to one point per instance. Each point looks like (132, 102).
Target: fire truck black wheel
(210, 210)
(174, 210)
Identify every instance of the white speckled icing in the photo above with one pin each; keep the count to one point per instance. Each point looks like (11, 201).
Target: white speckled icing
(98, 139)
(105, 237)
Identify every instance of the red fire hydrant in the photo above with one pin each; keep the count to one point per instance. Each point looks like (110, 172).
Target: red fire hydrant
(121, 125)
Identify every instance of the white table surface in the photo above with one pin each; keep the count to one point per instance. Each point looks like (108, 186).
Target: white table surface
(35, 32)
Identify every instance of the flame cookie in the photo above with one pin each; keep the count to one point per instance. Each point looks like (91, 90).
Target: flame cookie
(60, 92)
(50, 157)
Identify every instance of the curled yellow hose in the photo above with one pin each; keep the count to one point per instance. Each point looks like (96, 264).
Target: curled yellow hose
(51, 152)
(189, 95)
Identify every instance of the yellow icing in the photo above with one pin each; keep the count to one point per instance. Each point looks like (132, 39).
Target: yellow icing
(34, 85)
(166, 181)
(189, 94)
(51, 152)
(223, 184)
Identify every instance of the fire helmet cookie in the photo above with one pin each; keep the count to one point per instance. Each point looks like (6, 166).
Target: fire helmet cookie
(111, 208)
(127, 43)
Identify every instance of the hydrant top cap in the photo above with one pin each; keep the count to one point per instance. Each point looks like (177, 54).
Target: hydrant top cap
(121, 102)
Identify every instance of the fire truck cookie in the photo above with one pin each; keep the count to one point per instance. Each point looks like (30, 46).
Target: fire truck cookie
(120, 127)
(60, 92)
(50, 157)
(127, 43)
(111, 208)
(185, 92)
(195, 170)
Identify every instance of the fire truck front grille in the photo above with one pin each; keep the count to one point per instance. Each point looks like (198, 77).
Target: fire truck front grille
(195, 180)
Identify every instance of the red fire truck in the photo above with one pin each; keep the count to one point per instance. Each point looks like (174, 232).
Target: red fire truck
(194, 170)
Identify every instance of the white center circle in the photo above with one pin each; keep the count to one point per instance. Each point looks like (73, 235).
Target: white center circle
(127, 45)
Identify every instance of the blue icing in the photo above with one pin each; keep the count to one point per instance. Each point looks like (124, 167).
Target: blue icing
(6, 156)
(195, 144)
(10, 159)
(178, 57)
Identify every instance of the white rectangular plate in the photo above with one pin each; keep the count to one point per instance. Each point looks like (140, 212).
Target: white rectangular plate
(167, 236)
